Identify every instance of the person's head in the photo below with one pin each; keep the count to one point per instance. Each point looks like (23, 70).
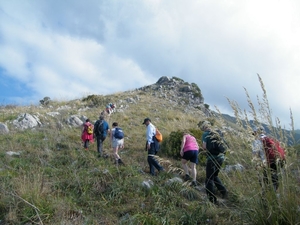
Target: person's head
(87, 120)
(258, 130)
(101, 117)
(205, 125)
(115, 124)
(147, 121)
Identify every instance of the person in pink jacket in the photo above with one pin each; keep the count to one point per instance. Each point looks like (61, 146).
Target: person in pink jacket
(87, 134)
(189, 152)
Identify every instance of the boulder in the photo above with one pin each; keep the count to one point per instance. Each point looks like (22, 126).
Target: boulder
(74, 121)
(26, 120)
(3, 129)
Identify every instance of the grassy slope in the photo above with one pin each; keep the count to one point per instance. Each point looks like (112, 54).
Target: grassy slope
(54, 181)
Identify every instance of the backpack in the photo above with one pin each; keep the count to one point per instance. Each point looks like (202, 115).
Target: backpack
(215, 144)
(118, 134)
(99, 128)
(158, 136)
(273, 150)
(90, 129)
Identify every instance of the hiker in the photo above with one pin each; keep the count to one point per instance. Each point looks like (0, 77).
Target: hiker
(87, 134)
(152, 146)
(213, 164)
(189, 152)
(108, 109)
(112, 107)
(117, 141)
(257, 149)
(101, 129)
(274, 157)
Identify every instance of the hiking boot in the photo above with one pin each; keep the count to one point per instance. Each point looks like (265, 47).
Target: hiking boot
(120, 162)
(194, 184)
(225, 195)
(187, 177)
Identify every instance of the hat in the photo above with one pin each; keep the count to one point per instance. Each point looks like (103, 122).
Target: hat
(204, 125)
(146, 119)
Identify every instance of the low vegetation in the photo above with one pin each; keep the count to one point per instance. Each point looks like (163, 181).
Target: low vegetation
(53, 180)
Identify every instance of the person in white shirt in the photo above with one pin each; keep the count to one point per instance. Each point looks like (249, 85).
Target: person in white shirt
(116, 143)
(152, 147)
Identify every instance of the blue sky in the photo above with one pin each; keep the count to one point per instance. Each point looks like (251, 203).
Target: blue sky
(69, 49)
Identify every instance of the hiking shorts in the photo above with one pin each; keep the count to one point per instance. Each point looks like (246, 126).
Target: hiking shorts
(191, 155)
(117, 143)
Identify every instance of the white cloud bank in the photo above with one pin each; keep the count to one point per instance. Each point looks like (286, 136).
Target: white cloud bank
(67, 49)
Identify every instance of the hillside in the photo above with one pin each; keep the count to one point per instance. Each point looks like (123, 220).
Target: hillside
(48, 178)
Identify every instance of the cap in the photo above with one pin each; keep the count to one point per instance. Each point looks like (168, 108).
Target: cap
(146, 119)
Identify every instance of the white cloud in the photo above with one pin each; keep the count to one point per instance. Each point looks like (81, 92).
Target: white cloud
(108, 46)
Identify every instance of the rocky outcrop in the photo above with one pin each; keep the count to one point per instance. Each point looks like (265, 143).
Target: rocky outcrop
(3, 129)
(26, 120)
(177, 90)
(74, 121)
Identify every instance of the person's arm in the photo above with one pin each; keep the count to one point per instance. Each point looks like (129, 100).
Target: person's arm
(111, 137)
(182, 145)
(204, 142)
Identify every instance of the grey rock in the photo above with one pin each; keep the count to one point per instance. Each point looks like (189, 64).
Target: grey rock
(74, 121)
(3, 129)
(26, 120)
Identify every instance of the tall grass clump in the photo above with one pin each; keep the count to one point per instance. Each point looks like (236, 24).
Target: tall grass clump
(264, 205)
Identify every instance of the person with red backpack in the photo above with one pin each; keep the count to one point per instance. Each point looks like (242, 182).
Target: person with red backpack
(274, 155)
(87, 134)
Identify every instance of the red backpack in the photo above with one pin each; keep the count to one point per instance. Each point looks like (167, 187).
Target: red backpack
(273, 149)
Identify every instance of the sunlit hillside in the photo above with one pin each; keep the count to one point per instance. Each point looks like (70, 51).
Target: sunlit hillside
(47, 177)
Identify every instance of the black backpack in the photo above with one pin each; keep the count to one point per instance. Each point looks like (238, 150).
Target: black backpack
(215, 143)
(99, 128)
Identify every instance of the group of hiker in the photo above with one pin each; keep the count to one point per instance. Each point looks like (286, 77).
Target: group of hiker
(213, 145)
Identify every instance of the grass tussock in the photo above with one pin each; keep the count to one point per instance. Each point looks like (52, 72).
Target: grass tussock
(54, 180)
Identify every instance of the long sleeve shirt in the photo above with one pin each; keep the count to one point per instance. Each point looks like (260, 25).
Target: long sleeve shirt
(150, 132)
(257, 150)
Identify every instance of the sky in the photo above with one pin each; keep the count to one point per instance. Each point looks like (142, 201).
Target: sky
(70, 49)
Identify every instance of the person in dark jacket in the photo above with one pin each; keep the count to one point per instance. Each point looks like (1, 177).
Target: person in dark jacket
(101, 130)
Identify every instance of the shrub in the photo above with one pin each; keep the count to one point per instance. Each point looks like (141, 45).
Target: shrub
(171, 144)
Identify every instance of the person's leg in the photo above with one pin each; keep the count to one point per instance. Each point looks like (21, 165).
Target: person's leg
(185, 167)
(193, 171)
(217, 180)
(209, 183)
(86, 144)
(274, 176)
(98, 143)
(115, 151)
(151, 167)
(99, 146)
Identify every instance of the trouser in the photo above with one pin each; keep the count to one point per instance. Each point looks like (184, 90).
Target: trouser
(86, 143)
(100, 141)
(153, 163)
(212, 170)
(274, 175)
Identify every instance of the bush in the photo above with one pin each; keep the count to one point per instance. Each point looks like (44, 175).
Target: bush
(170, 147)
